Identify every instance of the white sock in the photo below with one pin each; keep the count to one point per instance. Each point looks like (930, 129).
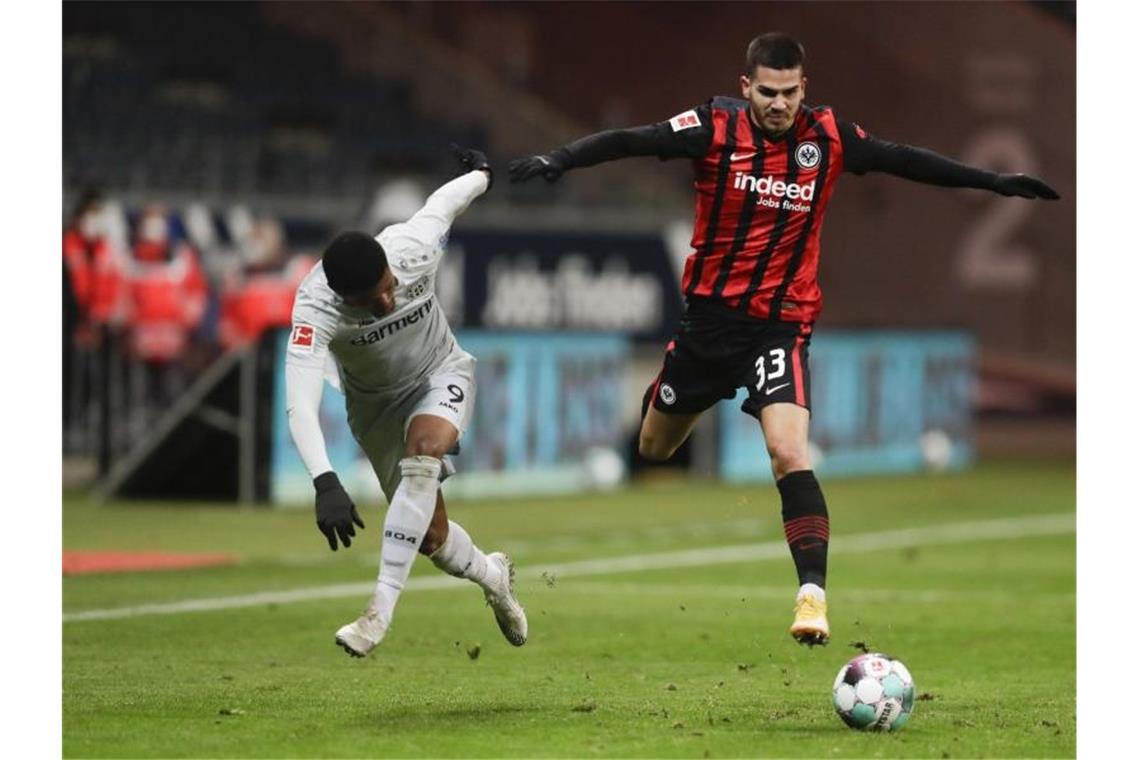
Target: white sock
(407, 521)
(810, 589)
(460, 557)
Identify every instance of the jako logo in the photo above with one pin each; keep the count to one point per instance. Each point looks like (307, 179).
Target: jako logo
(771, 186)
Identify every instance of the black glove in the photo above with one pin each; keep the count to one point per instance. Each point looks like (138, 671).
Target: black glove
(549, 166)
(474, 160)
(1024, 186)
(335, 511)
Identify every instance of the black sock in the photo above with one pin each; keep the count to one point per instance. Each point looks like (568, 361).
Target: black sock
(805, 525)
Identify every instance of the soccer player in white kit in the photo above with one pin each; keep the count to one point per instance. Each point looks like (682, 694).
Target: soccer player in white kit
(368, 311)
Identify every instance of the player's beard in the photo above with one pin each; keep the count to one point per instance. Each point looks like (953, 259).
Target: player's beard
(765, 122)
(777, 124)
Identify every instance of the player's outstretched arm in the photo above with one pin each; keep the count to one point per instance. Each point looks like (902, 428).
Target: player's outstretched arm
(473, 160)
(451, 199)
(335, 511)
(648, 140)
(866, 153)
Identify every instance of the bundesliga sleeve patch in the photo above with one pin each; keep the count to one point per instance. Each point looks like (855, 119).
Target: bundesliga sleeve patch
(302, 338)
(859, 131)
(685, 120)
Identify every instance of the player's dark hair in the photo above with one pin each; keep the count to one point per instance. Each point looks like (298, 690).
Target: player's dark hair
(774, 50)
(354, 262)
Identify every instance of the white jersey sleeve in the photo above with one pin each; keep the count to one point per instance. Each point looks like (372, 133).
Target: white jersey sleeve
(306, 357)
(303, 386)
(416, 246)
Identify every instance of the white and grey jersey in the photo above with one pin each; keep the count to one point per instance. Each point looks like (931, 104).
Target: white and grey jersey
(376, 360)
(372, 356)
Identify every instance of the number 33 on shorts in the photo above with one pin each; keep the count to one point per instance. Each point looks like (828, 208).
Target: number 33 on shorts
(776, 361)
(781, 376)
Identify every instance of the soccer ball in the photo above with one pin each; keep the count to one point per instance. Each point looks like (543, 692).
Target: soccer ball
(874, 692)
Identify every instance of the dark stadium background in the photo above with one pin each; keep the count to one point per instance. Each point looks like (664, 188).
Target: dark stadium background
(306, 114)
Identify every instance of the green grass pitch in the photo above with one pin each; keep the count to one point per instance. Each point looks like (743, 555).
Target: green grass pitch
(678, 660)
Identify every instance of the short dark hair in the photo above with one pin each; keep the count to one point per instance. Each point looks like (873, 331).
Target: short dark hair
(774, 50)
(354, 262)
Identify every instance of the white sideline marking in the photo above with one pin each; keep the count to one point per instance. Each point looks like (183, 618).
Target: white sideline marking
(742, 529)
(988, 530)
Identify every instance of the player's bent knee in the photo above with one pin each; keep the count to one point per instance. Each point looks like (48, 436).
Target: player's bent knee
(425, 446)
(788, 456)
(653, 449)
(433, 539)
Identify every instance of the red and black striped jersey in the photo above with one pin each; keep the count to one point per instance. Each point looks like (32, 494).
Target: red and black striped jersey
(760, 207)
(760, 201)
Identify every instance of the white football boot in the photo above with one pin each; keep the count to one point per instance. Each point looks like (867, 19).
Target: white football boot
(362, 635)
(509, 614)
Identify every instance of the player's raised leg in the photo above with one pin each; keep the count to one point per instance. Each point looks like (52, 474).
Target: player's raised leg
(686, 385)
(451, 550)
(662, 433)
(806, 525)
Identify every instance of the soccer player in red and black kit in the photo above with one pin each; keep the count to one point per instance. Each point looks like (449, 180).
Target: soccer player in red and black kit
(766, 166)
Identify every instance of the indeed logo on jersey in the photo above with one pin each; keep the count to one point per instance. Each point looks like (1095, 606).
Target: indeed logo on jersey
(770, 189)
(390, 328)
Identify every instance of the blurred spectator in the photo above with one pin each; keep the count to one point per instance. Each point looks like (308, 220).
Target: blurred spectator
(94, 270)
(261, 297)
(94, 299)
(168, 292)
(71, 410)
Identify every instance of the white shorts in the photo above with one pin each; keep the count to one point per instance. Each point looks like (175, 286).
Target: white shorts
(448, 392)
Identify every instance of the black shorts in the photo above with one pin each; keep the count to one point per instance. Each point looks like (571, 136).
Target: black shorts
(716, 350)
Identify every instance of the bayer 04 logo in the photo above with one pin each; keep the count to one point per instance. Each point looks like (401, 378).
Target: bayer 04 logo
(874, 692)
